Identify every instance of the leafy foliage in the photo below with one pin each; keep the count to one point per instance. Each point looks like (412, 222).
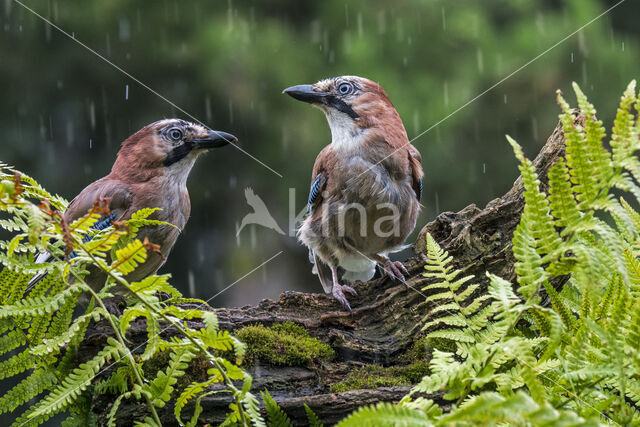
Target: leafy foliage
(536, 355)
(39, 333)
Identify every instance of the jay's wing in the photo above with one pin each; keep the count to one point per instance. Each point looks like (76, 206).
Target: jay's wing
(119, 194)
(415, 163)
(315, 193)
(323, 271)
(120, 208)
(319, 178)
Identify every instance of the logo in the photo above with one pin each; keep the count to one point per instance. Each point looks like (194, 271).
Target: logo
(260, 214)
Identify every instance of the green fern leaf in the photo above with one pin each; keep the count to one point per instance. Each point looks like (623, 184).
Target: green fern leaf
(27, 389)
(129, 257)
(275, 416)
(74, 384)
(312, 418)
(385, 414)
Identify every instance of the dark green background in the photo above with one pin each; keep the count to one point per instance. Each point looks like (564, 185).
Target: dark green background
(63, 111)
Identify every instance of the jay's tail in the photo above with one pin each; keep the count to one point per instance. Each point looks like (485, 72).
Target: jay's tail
(323, 271)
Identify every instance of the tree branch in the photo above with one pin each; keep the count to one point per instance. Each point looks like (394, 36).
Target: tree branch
(386, 319)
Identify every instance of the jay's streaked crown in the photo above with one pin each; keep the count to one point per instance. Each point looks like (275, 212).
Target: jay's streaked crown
(164, 146)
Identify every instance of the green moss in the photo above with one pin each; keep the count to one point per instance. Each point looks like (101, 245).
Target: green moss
(419, 350)
(374, 376)
(442, 344)
(284, 344)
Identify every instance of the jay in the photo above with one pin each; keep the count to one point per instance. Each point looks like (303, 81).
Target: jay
(150, 171)
(366, 185)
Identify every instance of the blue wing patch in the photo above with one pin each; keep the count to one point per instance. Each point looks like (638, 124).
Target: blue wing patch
(316, 189)
(100, 225)
(420, 192)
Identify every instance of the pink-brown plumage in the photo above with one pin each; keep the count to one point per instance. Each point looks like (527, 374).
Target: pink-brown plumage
(150, 171)
(366, 184)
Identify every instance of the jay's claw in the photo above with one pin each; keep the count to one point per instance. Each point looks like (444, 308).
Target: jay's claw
(395, 270)
(338, 293)
(350, 290)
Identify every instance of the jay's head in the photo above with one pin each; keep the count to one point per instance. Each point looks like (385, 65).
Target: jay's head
(353, 106)
(166, 147)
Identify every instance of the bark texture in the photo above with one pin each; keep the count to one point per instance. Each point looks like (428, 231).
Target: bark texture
(385, 321)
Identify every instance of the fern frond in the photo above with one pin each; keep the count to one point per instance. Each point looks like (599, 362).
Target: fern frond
(275, 415)
(129, 257)
(27, 389)
(74, 384)
(385, 413)
(17, 364)
(312, 418)
(162, 386)
(39, 305)
(190, 392)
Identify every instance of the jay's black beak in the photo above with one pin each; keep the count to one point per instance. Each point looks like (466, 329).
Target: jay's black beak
(305, 93)
(215, 139)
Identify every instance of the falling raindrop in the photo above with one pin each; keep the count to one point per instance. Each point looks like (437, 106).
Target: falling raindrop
(399, 30)
(480, 60)
(69, 129)
(505, 98)
(192, 283)
(534, 127)
(124, 30)
(254, 239)
(444, 20)
(572, 57)
(382, 22)
(445, 87)
(484, 168)
(346, 15)
(126, 92)
(108, 42)
(360, 28)
(207, 108)
(230, 17)
(92, 115)
(90, 144)
(43, 129)
(623, 46)
(540, 23)
(437, 203)
(60, 84)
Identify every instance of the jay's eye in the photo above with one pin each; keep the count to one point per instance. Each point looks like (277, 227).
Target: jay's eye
(345, 88)
(175, 134)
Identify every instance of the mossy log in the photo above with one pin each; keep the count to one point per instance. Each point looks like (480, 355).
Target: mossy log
(384, 329)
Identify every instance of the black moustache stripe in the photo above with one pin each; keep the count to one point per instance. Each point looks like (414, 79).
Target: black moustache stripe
(340, 105)
(177, 154)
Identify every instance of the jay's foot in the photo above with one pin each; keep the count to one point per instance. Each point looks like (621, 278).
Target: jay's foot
(395, 270)
(338, 293)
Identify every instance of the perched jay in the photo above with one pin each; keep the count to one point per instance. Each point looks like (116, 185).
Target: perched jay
(150, 171)
(365, 186)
